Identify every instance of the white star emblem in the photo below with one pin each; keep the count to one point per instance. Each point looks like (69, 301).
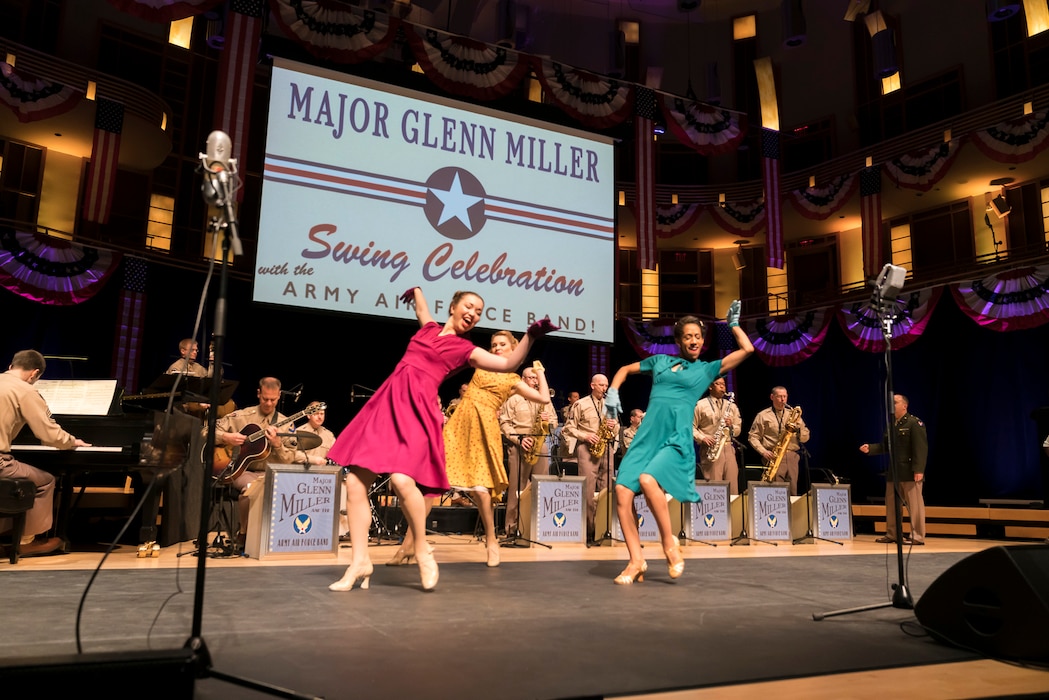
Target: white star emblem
(456, 203)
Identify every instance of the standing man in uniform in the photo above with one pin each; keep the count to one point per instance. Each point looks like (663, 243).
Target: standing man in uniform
(230, 432)
(21, 404)
(765, 432)
(711, 412)
(911, 452)
(583, 430)
(517, 420)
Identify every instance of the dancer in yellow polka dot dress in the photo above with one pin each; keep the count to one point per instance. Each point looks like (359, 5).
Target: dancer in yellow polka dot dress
(473, 445)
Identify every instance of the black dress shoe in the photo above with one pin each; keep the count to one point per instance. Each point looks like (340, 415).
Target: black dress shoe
(39, 548)
(885, 540)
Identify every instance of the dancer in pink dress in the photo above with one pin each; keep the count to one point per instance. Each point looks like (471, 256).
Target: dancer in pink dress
(398, 432)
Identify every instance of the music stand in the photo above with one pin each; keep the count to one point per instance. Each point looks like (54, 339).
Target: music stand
(609, 494)
(517, 536)
(743, 538)
(809, 534)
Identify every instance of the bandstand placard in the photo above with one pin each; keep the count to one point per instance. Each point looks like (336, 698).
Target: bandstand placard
(832, 511)
(298, 513)
(710, 518)
(557, 510)
(769, 511)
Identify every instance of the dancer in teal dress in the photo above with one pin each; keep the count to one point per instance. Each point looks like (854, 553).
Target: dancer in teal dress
(661, 460)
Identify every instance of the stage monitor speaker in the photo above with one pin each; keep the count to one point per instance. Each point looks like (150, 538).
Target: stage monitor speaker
(166, 674)
(995, 602)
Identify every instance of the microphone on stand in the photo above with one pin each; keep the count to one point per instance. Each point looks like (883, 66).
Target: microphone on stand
(298, 393)
(218, 184)
(352, 396)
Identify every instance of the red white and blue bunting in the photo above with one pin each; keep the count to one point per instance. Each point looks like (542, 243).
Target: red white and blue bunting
(787, 340)
(923, 168)
(51, 270)
(1009, 301)
(863, 323)
(821, 202)
(676, 218)
(1015, 141)
(335, 34)
(651, 337)
(33, 99)
(707, 129)
(740, 218)
(466, 66)
(597, 101)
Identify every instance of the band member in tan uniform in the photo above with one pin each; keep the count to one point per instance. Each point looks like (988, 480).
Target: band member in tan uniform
(765, 431)
(582, 429)
(710, 411)
(230, 432)
(20, 405)
(187, 364)
(517, 421)
(625, 438)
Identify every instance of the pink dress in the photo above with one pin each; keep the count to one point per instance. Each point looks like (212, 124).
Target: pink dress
(399, 428)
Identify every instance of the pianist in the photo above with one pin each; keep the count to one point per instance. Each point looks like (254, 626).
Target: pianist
(21, 404)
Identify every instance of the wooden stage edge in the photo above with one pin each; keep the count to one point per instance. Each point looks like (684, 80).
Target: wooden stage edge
(986, 521)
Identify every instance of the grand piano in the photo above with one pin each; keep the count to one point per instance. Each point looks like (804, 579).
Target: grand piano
(124, 442)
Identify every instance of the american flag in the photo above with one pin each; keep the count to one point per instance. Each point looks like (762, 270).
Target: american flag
(131, 314)
(598, 359)
(870, 220)
(105, 154)
(773, 213)
(645, 210)
(237, 75)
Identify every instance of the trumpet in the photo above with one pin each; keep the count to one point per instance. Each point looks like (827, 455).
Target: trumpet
(790, 427)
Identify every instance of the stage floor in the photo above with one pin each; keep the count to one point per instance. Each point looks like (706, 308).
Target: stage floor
(546, 623)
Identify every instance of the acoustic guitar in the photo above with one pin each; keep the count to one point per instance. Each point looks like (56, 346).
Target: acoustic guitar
(230, 461)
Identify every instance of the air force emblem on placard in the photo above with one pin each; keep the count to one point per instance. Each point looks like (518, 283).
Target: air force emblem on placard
(560, 519)
(833, 520)
(708, 519)
(303, 523)
(771, 520)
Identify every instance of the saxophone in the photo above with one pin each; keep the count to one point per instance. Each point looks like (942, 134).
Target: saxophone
(605, 435)
(724, 432)
(540, 429)
(790, 426)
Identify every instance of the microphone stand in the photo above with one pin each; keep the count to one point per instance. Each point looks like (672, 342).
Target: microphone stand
(744, 538)
(517, 536)
(810, 537)
(196, 643)
(901, 594)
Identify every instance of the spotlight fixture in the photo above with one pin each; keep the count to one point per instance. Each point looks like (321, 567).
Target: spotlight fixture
(738, 261)
(998, 10)
(1000, 206)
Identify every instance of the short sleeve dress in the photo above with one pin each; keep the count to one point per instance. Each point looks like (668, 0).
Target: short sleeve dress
(662, 446)
(473, 442)
(398, 431)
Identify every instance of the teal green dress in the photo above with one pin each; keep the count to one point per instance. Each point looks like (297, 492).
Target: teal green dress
(663, 444)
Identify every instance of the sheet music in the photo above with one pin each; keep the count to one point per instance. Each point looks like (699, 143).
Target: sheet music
(78, 397)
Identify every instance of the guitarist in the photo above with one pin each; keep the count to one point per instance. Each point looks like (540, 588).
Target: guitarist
(232, 433)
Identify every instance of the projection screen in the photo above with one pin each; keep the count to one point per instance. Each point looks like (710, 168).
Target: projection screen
(371, 189)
